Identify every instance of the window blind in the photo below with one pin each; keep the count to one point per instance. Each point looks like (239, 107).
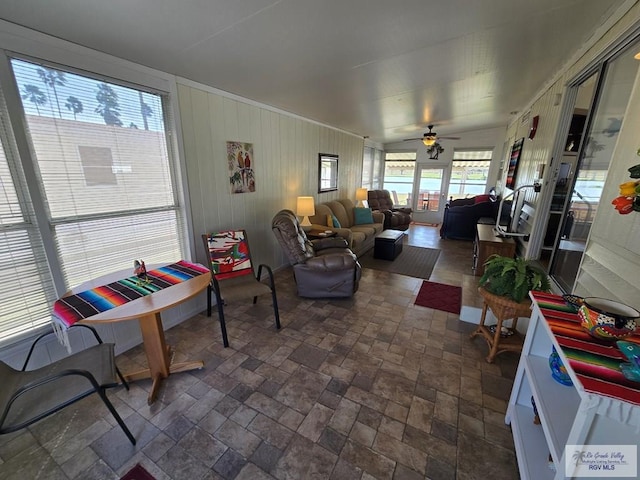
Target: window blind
(26, 288)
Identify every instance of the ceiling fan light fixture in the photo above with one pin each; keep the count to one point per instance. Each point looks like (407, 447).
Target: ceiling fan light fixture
(429, 139)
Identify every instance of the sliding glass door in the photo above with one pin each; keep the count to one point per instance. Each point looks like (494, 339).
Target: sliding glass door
(605, 117)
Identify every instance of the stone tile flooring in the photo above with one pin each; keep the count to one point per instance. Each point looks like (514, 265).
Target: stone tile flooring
(370, 387)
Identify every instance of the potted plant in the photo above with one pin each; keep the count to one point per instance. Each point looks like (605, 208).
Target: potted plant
(513, 278)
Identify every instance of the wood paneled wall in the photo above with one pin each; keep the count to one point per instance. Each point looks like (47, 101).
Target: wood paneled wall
(285, 165)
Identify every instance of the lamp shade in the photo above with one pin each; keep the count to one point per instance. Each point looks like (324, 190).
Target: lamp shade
(304, 208)
(361, 194)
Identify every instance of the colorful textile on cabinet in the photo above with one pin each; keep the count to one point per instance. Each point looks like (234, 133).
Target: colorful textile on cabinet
(596, 362)
(73, 308)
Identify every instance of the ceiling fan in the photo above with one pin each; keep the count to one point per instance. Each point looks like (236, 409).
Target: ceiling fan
(431, 137)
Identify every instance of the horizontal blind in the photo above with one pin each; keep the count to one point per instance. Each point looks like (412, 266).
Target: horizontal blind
(105, 170)
(26, 288)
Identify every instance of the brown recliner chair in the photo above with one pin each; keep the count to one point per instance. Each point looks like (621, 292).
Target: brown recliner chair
(395, 218)
(321, 268)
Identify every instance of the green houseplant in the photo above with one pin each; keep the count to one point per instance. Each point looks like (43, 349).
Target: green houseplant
(513, 277)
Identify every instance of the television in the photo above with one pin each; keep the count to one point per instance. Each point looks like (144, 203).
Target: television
(514, 159)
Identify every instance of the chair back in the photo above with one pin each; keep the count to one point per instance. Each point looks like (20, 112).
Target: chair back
(229, 254)
(379, 200)
(291, 236)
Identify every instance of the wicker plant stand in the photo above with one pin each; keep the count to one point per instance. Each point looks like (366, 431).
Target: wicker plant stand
(504, 309)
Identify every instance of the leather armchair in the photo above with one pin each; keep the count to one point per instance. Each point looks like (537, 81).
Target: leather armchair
(395, 218)
(321, 268)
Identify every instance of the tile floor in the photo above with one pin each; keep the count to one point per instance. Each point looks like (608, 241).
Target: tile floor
(370, 387)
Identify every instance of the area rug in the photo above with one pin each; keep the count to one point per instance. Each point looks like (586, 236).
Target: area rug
(413, 261)
(138, 473)
(439, 297)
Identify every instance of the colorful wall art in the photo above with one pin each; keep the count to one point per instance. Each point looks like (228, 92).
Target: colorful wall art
(240, 160)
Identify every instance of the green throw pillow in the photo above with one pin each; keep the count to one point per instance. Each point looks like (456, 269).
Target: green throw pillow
(363, 216)
(334, 222)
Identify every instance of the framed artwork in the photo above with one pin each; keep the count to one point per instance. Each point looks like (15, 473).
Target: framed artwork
(514, 159)
(327, 172)
(240, 160)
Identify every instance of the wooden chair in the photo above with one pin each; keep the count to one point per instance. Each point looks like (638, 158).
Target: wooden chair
(232, 274)
(27, 396)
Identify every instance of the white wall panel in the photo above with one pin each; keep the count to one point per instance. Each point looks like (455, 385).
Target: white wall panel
(285, 164)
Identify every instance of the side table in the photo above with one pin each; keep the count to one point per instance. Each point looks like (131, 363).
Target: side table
(503, 309)
(486, 244)
(316, 234)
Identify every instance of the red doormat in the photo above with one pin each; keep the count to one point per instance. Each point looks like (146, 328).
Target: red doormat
(439, 297)
(138, 473)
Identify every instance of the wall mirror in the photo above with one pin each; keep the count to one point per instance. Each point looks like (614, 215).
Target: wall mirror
(327, 172)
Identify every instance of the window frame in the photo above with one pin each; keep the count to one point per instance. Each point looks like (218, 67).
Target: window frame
(84, 61)
(466, 152)
(403, 197)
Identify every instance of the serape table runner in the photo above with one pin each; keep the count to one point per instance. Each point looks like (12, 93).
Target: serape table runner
(73, 308)
(596, 362)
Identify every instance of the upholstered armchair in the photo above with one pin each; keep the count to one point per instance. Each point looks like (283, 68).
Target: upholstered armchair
(395, 218)
(322, 268)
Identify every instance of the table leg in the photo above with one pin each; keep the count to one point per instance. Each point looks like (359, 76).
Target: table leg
(496, 342)
(478, 331)
(158, 356)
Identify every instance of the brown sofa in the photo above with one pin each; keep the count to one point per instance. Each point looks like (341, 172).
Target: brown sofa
(322, 268)
(359, 237)
(395, 218)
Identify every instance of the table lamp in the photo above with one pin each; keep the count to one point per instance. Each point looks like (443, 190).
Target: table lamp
(361, 197)
(304, 208)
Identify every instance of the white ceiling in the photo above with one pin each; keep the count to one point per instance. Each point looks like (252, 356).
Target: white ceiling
(378, 68)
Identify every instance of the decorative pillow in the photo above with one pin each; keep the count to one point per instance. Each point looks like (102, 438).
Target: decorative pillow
(363, 216)
(332, 221)
(481, 198)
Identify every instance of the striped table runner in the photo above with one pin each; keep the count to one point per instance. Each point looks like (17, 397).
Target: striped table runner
(596, 362)
(73, 308)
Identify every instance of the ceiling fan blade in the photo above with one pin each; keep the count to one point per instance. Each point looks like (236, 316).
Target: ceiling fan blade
(409, 139)
(448, 138)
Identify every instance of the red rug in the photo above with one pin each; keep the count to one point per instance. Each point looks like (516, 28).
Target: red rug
(138, 473)
(439, 297)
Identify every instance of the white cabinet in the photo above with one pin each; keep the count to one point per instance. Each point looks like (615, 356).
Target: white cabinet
(568, 415)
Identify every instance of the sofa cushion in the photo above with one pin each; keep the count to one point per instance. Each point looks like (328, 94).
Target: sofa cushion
(481, 198)
(322, 214)
(332, 221)
(338, 210)
(369, 230)
(362, 216)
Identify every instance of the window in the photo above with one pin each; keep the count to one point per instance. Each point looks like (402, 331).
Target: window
(367, 168)
(399, 170)
(105, 177)
(371, 168)
(469, 173)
